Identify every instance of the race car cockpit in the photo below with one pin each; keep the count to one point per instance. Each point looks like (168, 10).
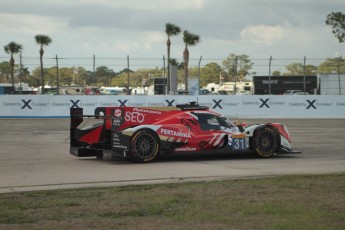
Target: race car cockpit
(209, 121)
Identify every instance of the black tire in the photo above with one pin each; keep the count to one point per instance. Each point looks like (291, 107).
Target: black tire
(99, 156)
(266, 142)
(145, 146)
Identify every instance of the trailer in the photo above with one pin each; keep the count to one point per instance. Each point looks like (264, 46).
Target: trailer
(332, 84)
(6, 89)
(19, 88)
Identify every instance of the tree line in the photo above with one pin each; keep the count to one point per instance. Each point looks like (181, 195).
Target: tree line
(233, 68)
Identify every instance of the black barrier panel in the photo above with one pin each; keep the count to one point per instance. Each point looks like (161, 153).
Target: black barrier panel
(160, 86)
(280, 84)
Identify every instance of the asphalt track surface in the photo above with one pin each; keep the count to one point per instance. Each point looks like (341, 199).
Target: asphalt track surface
(34, 155)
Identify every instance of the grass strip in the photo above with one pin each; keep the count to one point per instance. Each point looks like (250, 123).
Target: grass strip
(282, 202)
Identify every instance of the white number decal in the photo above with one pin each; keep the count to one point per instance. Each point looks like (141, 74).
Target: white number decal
(238, 143)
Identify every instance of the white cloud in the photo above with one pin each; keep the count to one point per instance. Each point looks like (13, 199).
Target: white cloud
(155, 37)
(127, 46)
(135, 4)
(30, 24)
(263, 34)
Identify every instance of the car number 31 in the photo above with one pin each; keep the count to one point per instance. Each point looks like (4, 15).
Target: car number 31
(238, 144)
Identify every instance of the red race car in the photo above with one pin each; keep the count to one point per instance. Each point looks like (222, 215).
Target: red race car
(143, 133)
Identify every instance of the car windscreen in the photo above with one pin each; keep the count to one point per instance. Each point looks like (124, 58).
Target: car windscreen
(209, 121)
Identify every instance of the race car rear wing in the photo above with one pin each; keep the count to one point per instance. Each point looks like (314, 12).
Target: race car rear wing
(191, 106)
(77, 118)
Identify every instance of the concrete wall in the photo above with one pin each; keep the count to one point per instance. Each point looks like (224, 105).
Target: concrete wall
(239, 106)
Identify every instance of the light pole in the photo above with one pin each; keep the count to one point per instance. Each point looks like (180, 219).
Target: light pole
(339, 74)
(269, 77)
(128, 92)
(57, 75)
(304, 85)
(199, 74)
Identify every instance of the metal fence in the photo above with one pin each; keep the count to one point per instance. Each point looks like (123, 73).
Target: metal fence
(265, 66)
(261, 66)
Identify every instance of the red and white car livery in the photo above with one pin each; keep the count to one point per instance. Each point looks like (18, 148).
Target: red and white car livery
(142, 133)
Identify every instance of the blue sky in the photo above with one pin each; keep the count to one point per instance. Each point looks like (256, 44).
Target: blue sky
(113, 29)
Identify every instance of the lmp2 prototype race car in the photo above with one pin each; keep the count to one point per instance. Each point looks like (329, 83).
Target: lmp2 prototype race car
(143, 133)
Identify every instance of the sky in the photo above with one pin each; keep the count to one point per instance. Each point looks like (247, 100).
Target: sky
(112, 30)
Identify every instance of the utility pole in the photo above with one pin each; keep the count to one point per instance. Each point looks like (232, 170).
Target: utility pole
(339, 74)
(235, 72)
(199, 75)
(304, 70)
(269, 77)
(57, 76)
(128, 93)
(20, 73)
(93, 73)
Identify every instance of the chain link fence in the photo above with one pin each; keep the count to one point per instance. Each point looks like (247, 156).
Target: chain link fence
(266, 66)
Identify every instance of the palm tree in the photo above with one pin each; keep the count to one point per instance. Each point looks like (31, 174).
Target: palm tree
(12, 48)
(42, 40)
(170, 30)
(189, 39)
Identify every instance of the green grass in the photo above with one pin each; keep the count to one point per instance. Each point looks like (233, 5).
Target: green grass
(284, 202)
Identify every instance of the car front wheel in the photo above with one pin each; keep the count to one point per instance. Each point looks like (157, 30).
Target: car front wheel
(266, 142)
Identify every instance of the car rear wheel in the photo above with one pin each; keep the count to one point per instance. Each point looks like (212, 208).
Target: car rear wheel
(266, 142)
(145, 146)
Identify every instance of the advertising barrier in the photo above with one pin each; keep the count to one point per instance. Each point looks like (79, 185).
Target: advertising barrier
(235, 107)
